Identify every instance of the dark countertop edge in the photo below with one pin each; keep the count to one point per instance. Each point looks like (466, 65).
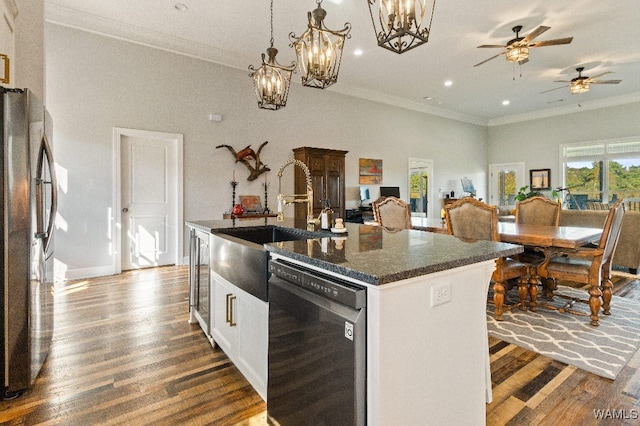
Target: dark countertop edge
(508, 250)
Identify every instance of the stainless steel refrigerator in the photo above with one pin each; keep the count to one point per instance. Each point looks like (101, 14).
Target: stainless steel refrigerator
(27, 209)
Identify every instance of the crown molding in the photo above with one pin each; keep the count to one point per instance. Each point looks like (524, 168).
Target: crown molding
(63, 16)
(68, 17)
(568, 109)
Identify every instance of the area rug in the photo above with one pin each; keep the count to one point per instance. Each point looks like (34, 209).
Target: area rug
(569, 338)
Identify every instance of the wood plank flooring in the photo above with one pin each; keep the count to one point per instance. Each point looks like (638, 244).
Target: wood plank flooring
(124, 353)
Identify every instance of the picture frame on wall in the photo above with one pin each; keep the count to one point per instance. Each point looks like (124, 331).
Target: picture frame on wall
(540, 178)
(370, 171)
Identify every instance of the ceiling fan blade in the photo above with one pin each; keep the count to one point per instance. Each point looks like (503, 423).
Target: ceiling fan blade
(605, 82)
(501, 46)
(555, 88)
(535, 33)
(562, 81)
(602, 73)
(554, 42)
(487, 60)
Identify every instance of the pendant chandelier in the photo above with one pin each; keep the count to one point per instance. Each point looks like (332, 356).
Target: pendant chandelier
(271, 81)
(319, 50)
(401, 23)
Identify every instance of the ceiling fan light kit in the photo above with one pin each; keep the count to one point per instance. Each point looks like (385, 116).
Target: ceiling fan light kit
(578, 86)
(517, 54)
(400, 23)
(319, 50)
(271, 81)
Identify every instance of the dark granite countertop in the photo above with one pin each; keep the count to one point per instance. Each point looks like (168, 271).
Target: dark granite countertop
(372, 254)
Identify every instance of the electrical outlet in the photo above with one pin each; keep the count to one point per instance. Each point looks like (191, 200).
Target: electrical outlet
(440, 294)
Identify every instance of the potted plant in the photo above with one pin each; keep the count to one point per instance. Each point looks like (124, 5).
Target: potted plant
(523, 194)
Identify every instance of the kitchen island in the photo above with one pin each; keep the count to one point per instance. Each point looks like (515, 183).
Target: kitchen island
(426, 336)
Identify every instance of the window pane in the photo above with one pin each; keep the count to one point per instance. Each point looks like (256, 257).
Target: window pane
(624, 178)
(623, 147)
(584, 180)
(585, 150)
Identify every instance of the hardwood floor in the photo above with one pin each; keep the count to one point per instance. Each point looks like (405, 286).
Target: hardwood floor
(124, 353)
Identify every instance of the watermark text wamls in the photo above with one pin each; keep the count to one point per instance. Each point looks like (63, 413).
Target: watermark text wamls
(614, 414)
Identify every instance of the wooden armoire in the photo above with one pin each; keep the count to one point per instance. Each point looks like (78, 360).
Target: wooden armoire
(326, 167)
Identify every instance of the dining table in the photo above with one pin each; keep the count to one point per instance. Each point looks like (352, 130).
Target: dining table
(544, 239)
(540, 238)
(567, 237)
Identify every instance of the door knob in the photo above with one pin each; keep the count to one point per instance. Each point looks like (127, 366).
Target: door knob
(124, 210)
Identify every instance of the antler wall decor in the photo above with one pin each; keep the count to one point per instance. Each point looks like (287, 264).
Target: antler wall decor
(247, 153)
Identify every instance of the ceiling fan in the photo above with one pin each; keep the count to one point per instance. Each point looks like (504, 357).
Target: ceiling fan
(581, 83)
(517, 49)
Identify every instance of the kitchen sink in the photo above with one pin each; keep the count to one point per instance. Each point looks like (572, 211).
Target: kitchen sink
(238, 254)
(267, 234)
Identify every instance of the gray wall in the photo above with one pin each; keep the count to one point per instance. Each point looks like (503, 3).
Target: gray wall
(95, 83)
(537, 142)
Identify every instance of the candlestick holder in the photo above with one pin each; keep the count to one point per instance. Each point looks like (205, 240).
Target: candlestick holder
(234, 183)
(266, 200)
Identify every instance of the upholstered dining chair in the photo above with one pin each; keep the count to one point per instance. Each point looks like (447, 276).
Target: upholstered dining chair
(471, 219)
(392, 212)
(586, 265)
(538, 210)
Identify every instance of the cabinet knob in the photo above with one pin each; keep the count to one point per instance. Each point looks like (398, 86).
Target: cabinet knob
(125, 210)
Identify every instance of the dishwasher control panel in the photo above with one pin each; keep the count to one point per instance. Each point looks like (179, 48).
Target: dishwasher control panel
(324, 285)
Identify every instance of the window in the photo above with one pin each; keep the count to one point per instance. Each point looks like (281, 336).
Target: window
(600, 172)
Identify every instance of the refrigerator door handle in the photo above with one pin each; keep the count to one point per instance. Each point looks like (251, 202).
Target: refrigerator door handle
(45, 155)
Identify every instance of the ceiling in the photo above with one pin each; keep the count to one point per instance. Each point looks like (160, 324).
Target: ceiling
(237, 32)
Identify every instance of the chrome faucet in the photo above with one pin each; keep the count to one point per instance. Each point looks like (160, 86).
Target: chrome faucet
(297, 198)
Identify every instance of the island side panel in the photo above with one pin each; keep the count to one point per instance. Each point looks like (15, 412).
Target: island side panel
(427, 362)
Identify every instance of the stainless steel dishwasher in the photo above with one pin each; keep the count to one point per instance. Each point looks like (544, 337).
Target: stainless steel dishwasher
(317, 348)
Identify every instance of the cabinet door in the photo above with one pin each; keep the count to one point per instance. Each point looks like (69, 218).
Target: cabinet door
(224, 328)
(253, 340)
(7, 43)
(335, 184)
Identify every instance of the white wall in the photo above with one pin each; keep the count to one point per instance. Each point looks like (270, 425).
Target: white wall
(29, 58)
(96, 83)
(537, 142)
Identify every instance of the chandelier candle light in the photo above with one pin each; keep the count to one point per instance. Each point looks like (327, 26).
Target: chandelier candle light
(401, 23)
(271, 81)
(319, 50)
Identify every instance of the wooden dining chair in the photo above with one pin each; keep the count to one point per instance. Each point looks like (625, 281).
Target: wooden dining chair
(392, 213)
(586, 265)
(471, 219)
(538, 210)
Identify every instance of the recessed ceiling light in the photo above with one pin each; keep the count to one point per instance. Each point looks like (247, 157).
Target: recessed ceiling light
(448, 83)
(427, 98)
(506, 102)
(181, 7)
(357, 52)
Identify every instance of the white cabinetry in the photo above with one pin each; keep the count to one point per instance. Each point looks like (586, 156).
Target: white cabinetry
(240, 327)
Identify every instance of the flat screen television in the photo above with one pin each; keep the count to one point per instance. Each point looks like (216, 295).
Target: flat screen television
(390, 191)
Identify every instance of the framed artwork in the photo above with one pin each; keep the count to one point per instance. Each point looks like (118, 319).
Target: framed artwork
(370, 171)
(540, 178)
(251, 203)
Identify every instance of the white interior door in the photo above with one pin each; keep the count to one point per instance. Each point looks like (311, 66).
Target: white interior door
(150, 200)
